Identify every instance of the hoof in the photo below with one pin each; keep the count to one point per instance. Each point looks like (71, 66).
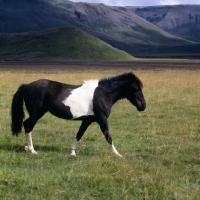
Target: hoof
(119, 155)
(73, 153)
(114, 150)
(27, 150)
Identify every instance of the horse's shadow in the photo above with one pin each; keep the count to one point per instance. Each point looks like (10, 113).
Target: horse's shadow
(20, 148)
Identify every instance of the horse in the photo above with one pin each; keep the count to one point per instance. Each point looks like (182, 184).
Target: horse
(90, 102)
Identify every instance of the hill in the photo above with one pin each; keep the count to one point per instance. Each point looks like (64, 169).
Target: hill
(181, 20)
(117, 26)
(65, 43)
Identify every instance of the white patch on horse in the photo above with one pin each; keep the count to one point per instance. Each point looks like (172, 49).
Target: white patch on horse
(80, 99)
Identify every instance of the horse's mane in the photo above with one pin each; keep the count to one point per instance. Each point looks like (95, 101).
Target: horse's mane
(129, 77)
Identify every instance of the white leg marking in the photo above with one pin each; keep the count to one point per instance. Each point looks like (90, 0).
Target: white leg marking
(114, 150)
(73, 148)
(29, 143)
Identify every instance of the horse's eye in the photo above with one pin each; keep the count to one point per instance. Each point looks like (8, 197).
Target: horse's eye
(135, 87)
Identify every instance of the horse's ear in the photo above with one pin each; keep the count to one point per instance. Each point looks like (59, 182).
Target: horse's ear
(137, 81)
(134, 77)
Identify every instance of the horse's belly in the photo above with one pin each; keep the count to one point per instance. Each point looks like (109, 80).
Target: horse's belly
(81, 109)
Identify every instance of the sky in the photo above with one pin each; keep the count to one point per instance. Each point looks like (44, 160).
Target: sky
(140, 2)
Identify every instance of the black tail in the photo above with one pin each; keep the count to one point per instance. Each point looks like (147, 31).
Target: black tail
(17, 111)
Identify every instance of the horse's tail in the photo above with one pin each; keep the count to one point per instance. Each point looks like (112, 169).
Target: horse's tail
(17, 112)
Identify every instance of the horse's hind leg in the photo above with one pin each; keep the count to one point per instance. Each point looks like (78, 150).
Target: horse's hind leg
(29, 144)
(28, 127)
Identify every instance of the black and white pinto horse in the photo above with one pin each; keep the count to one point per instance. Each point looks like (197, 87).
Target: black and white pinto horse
(89, 102)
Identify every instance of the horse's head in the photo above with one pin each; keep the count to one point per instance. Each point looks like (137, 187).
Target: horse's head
(134, 94)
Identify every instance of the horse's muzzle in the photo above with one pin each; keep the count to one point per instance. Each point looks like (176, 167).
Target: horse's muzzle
(141, 106)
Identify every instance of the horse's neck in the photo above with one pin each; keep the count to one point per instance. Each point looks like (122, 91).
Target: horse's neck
(117, 90)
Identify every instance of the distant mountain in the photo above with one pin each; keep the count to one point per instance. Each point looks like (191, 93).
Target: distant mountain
(65, 43)
(182, 20)
(120, 27)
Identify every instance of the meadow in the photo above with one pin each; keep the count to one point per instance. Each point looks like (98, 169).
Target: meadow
(160, 146)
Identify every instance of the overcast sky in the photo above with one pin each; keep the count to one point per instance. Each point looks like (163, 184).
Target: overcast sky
(140, 2)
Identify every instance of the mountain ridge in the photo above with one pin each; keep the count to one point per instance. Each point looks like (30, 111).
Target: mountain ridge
(121, 27)
(179, 20)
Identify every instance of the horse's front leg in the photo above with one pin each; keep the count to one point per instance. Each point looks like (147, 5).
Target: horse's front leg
(84, 125)
(102, 121)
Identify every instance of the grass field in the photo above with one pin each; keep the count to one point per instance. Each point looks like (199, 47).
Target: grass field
(160, 146)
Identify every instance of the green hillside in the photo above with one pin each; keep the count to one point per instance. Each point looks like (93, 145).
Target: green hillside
(65, 43)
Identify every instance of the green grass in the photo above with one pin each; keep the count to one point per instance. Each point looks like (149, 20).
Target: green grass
(160, 147)
(65, 43)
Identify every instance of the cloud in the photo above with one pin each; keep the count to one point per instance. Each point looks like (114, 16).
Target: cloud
(176, 2)
(140, 2)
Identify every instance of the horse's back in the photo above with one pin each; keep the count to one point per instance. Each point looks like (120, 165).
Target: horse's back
(47, 88)
(46, 96)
